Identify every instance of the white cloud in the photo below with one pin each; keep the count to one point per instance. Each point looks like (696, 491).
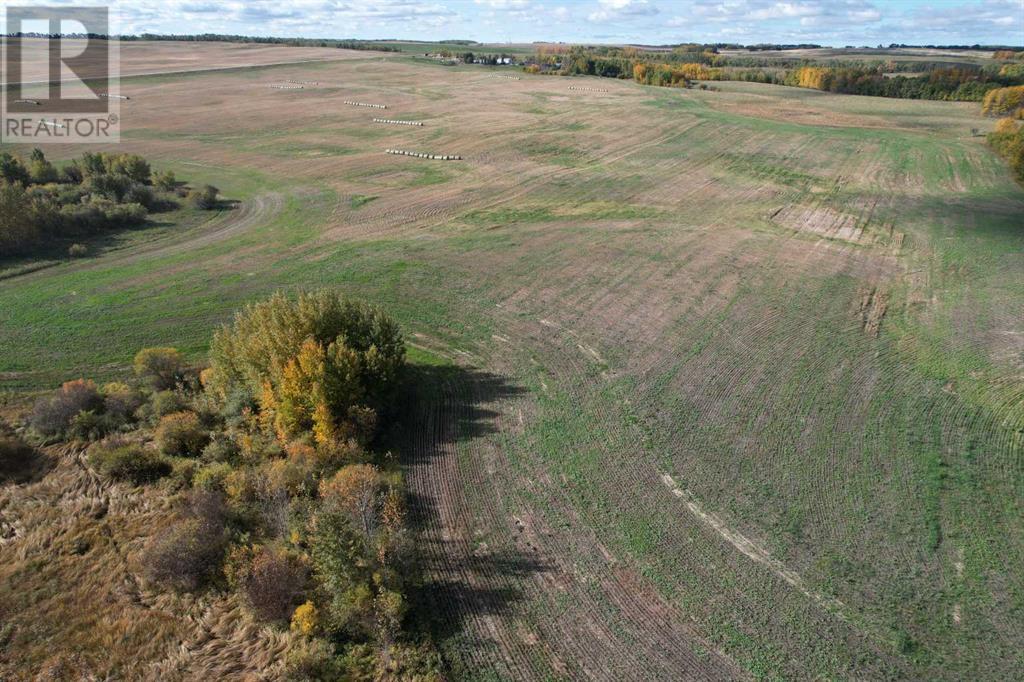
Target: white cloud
(611, 10)
(973, 18)
(504, 4)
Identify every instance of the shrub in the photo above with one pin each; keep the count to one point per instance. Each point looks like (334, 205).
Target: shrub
(221, 448)
(128, 462)
(130, 166)
(204, 198)
(89, 425)
(297, 476)
(16, 233)
(180, 434)
(164, 403)
(12, 170)
(162, 367)
(141, 195)
(78, 250)
(255, 501)
(121, 401)
(305, 619)
(393, 662)
(188, 554)
(272, 581)
(52, 416)
(165, 181)
(313, 660)
(40, 170)
(183, 472)
(212, 477)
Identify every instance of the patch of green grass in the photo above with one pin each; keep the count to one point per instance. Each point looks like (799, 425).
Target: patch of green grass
(552, 152)
(359, 200)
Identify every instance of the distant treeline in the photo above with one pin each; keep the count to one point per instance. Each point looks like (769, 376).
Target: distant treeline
(348, 44)
(888, 78)
(814, 46)
(958, 84)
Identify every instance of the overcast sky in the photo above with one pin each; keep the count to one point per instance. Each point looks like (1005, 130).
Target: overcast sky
(829, 22)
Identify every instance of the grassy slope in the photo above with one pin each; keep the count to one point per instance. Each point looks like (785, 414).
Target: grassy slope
(872, 467)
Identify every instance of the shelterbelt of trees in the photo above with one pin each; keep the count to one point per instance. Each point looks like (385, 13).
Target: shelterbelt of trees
(283, 494)
(880, 78)
(1008, 140)
(41, 204)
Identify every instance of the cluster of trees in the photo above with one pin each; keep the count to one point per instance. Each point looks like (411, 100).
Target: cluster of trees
(958, 84)
(1008, 140)
(660, 74)
(287, 501)
(468, 57)
(1004, 102)
(40, 203)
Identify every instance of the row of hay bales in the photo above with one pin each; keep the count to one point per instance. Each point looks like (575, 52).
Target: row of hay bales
(391, 120)
(420, 155)
(364, 104)
(287, 87)
(303, 82)
(577, 87)
(511, 78)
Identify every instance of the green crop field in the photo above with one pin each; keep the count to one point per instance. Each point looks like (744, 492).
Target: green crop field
(718, 384)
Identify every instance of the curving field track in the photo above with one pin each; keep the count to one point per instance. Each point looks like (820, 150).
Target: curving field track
(711, 385)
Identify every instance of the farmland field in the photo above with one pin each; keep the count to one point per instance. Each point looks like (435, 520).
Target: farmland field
(717, 384)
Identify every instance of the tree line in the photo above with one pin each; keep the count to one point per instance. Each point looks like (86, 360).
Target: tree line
(41, 204)
(955, 83)
(348, 44)
(686, 63)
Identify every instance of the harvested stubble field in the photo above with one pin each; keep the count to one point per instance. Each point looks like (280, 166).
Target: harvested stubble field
(719, 393)
(137, 58)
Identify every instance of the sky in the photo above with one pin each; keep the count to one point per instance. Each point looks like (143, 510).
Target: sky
(827, 22)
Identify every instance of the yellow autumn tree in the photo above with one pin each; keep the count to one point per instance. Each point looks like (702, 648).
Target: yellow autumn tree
(316, 363)
(1005, 125)
(816, 77)
(359, 492)
(698, 72)
(1003, 101)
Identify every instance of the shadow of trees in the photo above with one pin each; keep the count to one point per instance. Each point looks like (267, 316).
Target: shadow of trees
(461, 580)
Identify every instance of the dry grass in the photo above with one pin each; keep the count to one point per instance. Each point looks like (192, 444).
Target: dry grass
(74, 605)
